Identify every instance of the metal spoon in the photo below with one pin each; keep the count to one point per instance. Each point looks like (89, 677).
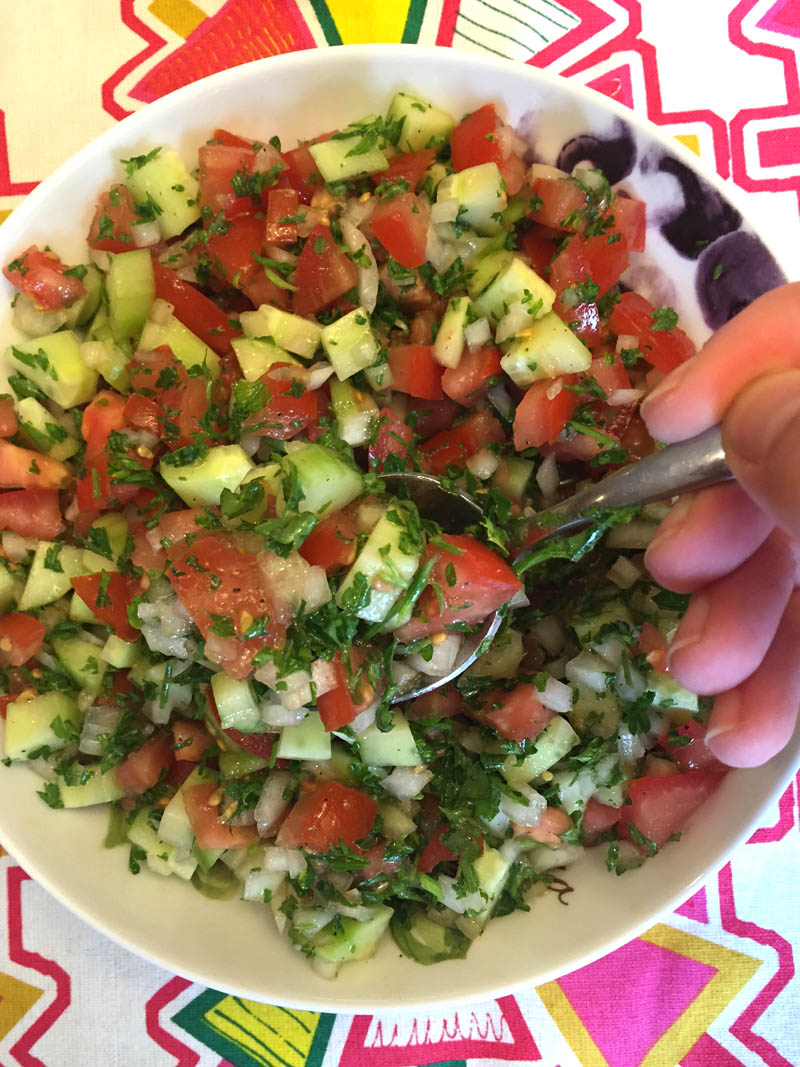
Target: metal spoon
(694, 464)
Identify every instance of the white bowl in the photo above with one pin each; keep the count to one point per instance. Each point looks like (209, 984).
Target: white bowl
(232, 945)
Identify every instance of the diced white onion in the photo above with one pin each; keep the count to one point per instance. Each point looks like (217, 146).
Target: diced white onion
(165, 626)
(556, 696)
(161, 312)
(297, 692)
(316, 590)
(589, 176)
(550, 634)
(543, 170)
(16, 548)
(267, 157)
(94, 354)
(358, 211)
(588, 669)
(631, 683)
(318, 374)
(498, 824)
(483, 464)
(243, 818)
(99, 719)
(290, 582)
(272, 803)
(509, 141)
(519, 599)
(477, 333)
(258, 881)
(554, 389)
(368, 515)
(364, 719)
(547, 477)
(621, 398)
(515, 319)
(403, 675)
(276, 715)
(630, 746)
(100, 258)
(368, 275)
(324, 676)
(528, 814)
(623, 573)
(445, 210)
(626, 340)
(250, 443)
(146, 234)
(612, 650)
(358, 912)
(36, 322)
(290, 860)
(501, 401)
(442, 660)
(280, 254)
(450, 899)
(510, 850)
(267, 674)
(440, 254)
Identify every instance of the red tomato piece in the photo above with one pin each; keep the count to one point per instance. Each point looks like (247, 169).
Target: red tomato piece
(22, 468)
(142, 413)
(693, 754)
(322, 274)
(331, 544)
(190, 739)
(194, 310)
(435, 852)
(630, 220)
(543, 412)
(8, 417)
(440, 703)
(31, 513)
(401, 225)
(301, 170)
(468, 382)
(609, 376)
(393, 439)
(176, 526)
(209, 829)
(259, 289)
(516, 715)
(97, 492)
(41, 276)
(377, 863)
(432, 418)
(232, 140)
(660, 806)
(539, 250)
(472, 582)
(21, 638)
(231, 253)
(108, 594)
(605, 262)
(102, 415)
(547, 831)
(597, 818)
(282, 204)
(479, 138)
(415, 371)
(453, 447)
(561, 199)
(286, 415)
(219, 166)
(336, 707)
(260, 745)
(114, 218)
(325, 815)
(408, 167)
(142, 769)
(664, 349)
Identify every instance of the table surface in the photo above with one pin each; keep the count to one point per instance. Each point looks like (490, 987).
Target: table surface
(715, 982)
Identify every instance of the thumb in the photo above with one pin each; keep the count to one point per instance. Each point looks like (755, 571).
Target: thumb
(761, 437)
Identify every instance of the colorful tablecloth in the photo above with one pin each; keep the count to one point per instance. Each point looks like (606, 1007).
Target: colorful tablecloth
(714, 984)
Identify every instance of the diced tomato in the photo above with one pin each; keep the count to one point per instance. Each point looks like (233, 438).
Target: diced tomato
(231, 253)
(142, 413)
(659, 807)
(179, 772)
(654, 646)
(22, 468)
(408, 167)
(477, 139)
(41, 276)
(467, 383)
(97, 492)
(176, 526)
(547, 831)
(561, 198)
(21, 637)
(472, 582)
(539, 250)
(282, 204)
(692, 754)
(543, 412)
(31, 513)
(516, 715)
(630, 220)
(597, 818)
(664, 349)
(260, 745)
(331, 544)
(435, 852)
(142, 769)
(605, 262)
(434, 416)
(453, 447)
(336, 707)
(111, 229)
(286, 414)
(232, 140)
(401, 225)
(441, 703)
(609, 376)
(8, 417)
(219, 166)
(194, 310)
(104, 414)
(415, 371)
(325, 815)
(143, 554)
(322, 274)
(378, 864)
(209, 829)
(108, 594)
(190, 739)
(635, 439)
(393, 439)
(301, 170)
(575, 302)
(260, 289)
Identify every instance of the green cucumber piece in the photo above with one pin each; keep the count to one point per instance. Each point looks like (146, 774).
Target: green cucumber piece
(119, 653)
(350, 343)
(356, 412)
(552, 744)
(502, 659)
(162, 858)
(289, 331)
(49, 576)
(326, 482)
(589, 628)
(46, 432)
(79, 611)
(95, 787)
(512, 476)
(350, 940)
(8, 586)
(481, 195)
(79, 313)
(516, 283)
(185, 346)
(236, 704)
(308, 740)
(29, 724)
(547, 349)
(449, 343)
(165, 181)
(394, 748)
(386, 567)
(54, 364)
(201, 482)
(336, 163)
(256, 355)
(425, 941)
(594, 714)
(175, 828)
(81, 660)
(492, 870)
(238, 764)
(669, 693)
(424, 125)
(131, 289)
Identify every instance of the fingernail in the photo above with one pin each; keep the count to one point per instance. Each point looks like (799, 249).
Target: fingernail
(727, 724)
(694, 621)
(672, 525)
(669, 385)
(759, 417)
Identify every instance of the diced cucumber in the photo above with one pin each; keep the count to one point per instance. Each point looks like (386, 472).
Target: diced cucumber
(165, 181)
(54, 364)
(289, 331)
(491, 870)
(46, 432)
(481, 195)
(53, 566)
(396, 824)
(379, 376)
(575, 787)
(395, 748)
(552, 744)
(350, 940)
(350, 343)
(502, 659)
(270, 476)
(238, 764)
(433, 175)
(336, 160)
(589, 628)
(29, 724)
(423, 124)
(449, 344)
(326, 481)
(543, 859)
(516, 283)
(175, 828)
(131, 289)
(425, 941)
(162, 858)
(79, 611)
(386, 567)
(185, 346)
(512, 476)
(201, 482)
(81, 660)
(216, 882)
(119, 653)
(79, 313)
(356, 412)
(596, 714)
(34, 321)
(669, 694)
(115, 528)
(485, 269)
(8, 586)
(308, 740)
(545, 350)
(256, 355)
(236, 704)
(206, 857)
(95, 787)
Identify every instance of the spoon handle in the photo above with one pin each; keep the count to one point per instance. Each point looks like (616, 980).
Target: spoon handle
(693, 464)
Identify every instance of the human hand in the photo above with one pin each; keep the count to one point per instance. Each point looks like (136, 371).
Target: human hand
(736, 548)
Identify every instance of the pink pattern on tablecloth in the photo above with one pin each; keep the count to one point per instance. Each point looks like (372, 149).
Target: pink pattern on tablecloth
(7, 187)
(786, 819)
(154, 42)
(616, 84)
(783, 17)
(709, 1053)
(695, 907)
(184, 1056)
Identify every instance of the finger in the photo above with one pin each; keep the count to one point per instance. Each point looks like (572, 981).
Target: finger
(761, 338)
(761, 437)
(705, 536)
(751, 723)
(730, 624)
